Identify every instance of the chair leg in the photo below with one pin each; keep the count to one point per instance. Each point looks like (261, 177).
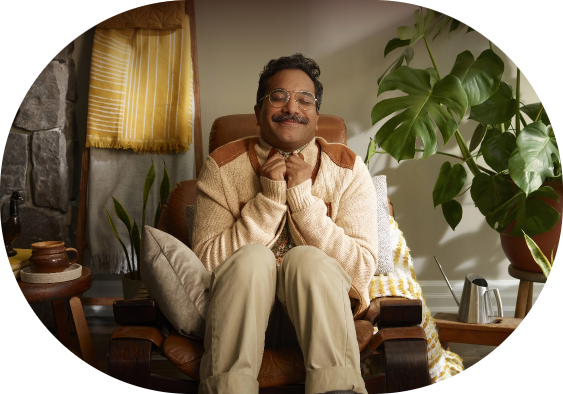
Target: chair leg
(82, 332)
(130, 361)
(521, 300)
(406, 364)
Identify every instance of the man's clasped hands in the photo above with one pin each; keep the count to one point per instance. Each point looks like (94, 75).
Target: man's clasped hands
(294, 171)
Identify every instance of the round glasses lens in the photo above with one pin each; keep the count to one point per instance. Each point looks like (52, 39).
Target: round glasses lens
(305, 100)
(278, 98)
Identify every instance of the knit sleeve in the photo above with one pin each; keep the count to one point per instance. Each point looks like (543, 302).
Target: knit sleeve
(352, 238)
(217, 232)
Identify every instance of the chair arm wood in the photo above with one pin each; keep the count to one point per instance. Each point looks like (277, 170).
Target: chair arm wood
(399, 312)
(394, 312)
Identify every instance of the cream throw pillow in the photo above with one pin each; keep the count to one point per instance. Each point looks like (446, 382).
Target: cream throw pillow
(176, 279)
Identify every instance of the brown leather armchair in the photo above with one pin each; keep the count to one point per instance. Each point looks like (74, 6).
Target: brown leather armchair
(398, 348)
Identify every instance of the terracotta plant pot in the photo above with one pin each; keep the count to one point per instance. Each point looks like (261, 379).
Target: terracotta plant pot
(130, 286)
(517, 251)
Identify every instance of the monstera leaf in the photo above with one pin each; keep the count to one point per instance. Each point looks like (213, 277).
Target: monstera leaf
(489, 192)
(452, 212)
(423, 104)
(499, 108)
(532, 111)
(526, 180)
(449, 183)
(422, 27)
(532, 215)
(497, 148)
(477, 136)
(537, 149)
(480, 78)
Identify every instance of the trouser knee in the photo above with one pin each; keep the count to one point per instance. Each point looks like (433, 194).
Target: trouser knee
(249, 261)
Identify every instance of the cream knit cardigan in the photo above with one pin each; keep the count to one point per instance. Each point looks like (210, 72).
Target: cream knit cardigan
(335, 212)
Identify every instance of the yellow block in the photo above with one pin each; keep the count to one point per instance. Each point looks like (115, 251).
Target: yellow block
(19, 261)
(539, 354)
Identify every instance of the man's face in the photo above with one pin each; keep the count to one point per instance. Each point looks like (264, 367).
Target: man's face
(289, 127)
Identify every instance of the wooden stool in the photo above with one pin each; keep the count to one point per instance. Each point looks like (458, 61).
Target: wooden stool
(525, 289)
(56, 293)
(493, 334)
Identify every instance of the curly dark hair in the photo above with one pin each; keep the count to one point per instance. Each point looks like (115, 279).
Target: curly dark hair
(297, 62)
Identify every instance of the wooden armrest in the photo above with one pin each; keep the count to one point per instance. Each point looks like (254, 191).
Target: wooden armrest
(394, 312)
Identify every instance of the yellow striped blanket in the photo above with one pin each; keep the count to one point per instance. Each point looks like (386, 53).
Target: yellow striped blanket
(141, 90)
(402, 283)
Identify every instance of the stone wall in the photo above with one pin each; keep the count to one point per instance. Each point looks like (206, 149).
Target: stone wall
(39, 157)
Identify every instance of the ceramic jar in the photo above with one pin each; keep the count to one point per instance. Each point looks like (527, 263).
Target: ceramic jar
(50, 257)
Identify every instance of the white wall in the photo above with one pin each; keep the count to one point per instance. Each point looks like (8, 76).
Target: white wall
(235, 41)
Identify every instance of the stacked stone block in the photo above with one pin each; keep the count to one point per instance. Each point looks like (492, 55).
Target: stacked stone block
(39, 157)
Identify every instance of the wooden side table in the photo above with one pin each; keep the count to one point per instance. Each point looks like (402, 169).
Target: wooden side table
(525, 289)
(493, 334)
(56, 293)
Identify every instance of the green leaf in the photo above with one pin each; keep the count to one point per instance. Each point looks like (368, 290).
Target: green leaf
(454, 26)
(422, 105)
(497, 148)
(371, 150)
(477, 137)
(489, 192)
(499, 108)
(406, 55)
(538, 255)
(433, 75)
(407, 33)
(136, 237)
(449, 183)
(164, 189)
(469, 29)
(480, 78)
(497, 217)
(453, 212)
(157, 216)
(149, 180)
(122, 214)
(528, 181)
(119, 239)
(441, 24)
(532, 215)
(532, 111)
(537, 149)
(394, 44)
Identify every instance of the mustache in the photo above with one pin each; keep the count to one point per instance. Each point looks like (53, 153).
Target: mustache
(290, 118)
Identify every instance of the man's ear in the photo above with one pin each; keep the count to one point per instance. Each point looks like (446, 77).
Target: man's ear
(257, 113)
(317, 125)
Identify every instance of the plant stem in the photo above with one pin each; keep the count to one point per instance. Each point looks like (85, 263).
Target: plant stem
(461, 159)
(517, 102)
(522, 119)
(432, 58)
(539, 114)
(460, 141)
(461, 194)
(490, 45)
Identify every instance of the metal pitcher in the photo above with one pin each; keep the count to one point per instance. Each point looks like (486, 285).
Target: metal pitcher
(475, 306)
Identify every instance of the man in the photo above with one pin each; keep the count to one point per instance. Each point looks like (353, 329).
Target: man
(291, 217)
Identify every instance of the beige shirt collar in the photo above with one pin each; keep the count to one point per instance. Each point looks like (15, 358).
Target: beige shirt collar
(310, 152)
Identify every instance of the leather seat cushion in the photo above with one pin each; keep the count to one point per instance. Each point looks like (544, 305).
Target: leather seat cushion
(280, 366)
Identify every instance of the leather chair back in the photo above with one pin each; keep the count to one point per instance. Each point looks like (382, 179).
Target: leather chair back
(225, 129)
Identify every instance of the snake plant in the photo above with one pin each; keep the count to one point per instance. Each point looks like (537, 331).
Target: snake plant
(133, 229)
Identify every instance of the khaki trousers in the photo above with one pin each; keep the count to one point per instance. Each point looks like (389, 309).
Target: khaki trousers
(313, 290)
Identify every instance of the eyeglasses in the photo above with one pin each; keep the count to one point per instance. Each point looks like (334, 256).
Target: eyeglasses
(280, 97)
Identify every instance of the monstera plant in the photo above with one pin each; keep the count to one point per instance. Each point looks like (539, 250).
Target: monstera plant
(519, 156)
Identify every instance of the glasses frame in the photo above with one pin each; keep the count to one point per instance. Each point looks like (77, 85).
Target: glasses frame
(288, 97)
